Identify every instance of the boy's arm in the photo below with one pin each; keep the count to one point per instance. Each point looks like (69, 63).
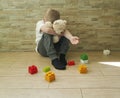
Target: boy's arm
(47, 30)
(73, 39)
(67, 34)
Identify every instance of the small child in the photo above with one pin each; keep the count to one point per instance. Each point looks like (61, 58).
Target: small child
(44, 40)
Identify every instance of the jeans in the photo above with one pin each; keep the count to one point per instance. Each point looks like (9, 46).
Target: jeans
(47, 48)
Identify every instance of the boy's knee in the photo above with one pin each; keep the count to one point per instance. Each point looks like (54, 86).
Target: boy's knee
(47, 35)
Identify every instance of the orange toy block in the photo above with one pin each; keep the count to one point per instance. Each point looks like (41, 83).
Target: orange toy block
(82, 68)
(50, 76)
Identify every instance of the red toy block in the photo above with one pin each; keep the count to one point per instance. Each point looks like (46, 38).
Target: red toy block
(71, 63)
(32, 69)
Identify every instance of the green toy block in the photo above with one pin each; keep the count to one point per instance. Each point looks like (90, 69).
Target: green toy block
(83, 61)
(84, 56)
(46, 69)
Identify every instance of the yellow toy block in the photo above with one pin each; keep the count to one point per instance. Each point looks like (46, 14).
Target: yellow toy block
(50, 76)
(82, 68)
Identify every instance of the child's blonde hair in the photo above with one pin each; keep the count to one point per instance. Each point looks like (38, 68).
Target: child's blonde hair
(51, 15)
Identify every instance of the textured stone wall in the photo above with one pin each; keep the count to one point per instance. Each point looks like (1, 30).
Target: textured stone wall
(96, 22)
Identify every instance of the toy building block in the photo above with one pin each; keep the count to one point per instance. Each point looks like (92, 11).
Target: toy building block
(83, 68)
(46, 69)
(50, 76)
(84, 58)
(71, 63)
(32, 69)
(106, 52)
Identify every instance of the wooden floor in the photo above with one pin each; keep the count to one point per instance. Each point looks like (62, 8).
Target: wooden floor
(101, 81)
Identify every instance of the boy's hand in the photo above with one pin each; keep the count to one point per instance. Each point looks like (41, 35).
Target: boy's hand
(74, 40)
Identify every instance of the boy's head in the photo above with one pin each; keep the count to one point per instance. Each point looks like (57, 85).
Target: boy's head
(51, 15)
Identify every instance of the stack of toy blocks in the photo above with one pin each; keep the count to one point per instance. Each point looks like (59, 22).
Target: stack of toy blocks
(83, 68)
(50, 76)
(84, 58)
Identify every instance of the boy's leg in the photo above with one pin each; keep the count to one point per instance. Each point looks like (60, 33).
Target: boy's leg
(41, 49)
(46, 48)
(62, 46)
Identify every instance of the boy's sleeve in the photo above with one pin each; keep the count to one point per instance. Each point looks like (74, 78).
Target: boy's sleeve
(38, 26)
(38, 32)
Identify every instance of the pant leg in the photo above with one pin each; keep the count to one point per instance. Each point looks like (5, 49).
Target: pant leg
(62, 46)
(46, 46)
